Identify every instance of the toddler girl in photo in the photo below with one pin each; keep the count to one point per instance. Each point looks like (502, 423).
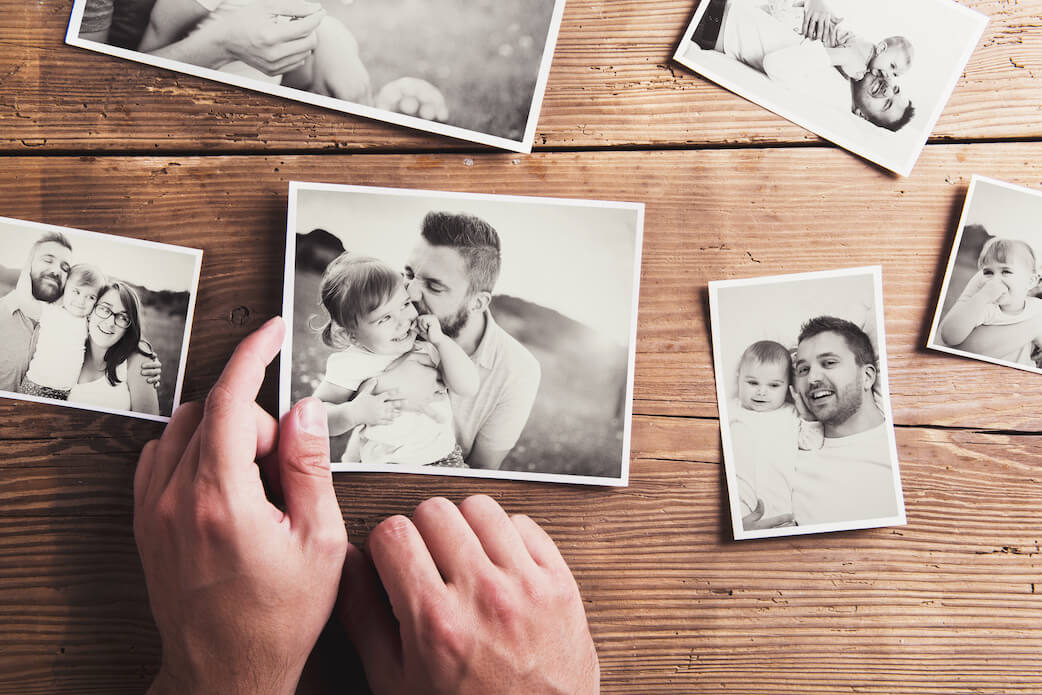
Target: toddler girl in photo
(376, 326)
(766, 432)
(998, 295)
(62, 336)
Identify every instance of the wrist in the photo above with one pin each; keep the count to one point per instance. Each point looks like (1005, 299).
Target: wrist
(224, 679)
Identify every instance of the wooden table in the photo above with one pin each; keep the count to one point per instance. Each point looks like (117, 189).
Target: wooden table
(950, 603)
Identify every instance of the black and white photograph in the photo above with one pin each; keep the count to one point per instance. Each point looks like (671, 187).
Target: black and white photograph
(470, 70)
(94, 321)
(990, 305)
(464, 334)
(805, 416)
(871, 77)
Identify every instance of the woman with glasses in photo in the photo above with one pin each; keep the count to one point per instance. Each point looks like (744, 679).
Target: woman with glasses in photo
(111, 374)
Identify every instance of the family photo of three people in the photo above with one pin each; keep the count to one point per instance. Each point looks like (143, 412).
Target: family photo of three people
(439, 340)
(72, 333)
(805, 416)
(469, 70)
(871, 77)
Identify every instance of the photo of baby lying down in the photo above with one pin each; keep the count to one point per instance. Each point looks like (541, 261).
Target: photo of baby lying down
(871, 77)
(94, 321)
(804, 403)
(990, 306)
(448, 333)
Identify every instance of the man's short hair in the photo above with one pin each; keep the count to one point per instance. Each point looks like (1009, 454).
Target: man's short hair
(856, 339)
(475, 240)
(52, 237)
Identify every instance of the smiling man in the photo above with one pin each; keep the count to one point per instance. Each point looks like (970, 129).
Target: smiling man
(42, 280)
(850, 477)
(451, 273)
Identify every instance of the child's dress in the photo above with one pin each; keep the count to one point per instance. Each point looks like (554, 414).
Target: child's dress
(60, 346)
(414, 438)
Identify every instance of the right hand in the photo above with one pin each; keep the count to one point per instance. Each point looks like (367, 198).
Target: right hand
(988, 290)
(258, 35)
(370, 408)
(480, 604)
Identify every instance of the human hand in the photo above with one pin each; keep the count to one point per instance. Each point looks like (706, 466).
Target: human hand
(152, 370)
(485, 604)
(239, 589)
(430, 328)
(259, 35)
(801, 406)
(991, 290)
(819, 22)
(370, 408)
(413, 96)
(755, 521)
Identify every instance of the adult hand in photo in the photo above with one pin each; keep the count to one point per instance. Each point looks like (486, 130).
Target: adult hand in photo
(413, 96)
(152, 369)
(274, 36)
(480, 603)
(239, 589)
(375, 408)
(819, 22)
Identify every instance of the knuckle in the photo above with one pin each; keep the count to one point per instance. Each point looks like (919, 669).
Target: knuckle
(499, 600)
(390, 531)
(330, 540)
(451, 641)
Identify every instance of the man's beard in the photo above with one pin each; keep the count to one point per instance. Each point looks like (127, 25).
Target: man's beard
(847, 401)
(46, 294)
(452, 325)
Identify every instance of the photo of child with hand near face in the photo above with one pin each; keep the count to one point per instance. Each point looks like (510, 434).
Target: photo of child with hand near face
(989, 307)
(377, 327)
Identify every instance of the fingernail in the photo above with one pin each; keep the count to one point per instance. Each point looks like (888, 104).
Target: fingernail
(312, 416)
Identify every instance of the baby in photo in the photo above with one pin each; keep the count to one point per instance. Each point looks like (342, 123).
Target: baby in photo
(768, 426)
(62, 336)
(387, 348)
(998, 295)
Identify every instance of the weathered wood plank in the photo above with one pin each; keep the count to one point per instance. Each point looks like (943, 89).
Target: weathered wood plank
(611, 79)
(949, 603)
(775, 211)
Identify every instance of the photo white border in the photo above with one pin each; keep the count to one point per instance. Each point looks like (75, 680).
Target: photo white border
(523, 146)
(902, 166)
(286, 356)
(715, 286)
(931, 341)
(193, 293)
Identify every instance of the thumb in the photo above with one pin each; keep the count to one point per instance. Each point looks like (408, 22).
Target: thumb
(365, 612)
(304, 473)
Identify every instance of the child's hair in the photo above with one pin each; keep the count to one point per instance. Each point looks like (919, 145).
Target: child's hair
(902, 43)
(1002, 250)
(353, 286)
(86, 274)
(768, 352)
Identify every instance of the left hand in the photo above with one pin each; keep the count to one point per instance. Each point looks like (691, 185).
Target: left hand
(240, 590)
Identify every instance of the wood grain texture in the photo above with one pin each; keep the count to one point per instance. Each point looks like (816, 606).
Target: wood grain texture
(950, 603)
(777, 211)
(612, 83)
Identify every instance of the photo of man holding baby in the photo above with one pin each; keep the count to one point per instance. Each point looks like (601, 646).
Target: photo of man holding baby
(990, 307)
(72, 333)
(804, 405)
(443, 337)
